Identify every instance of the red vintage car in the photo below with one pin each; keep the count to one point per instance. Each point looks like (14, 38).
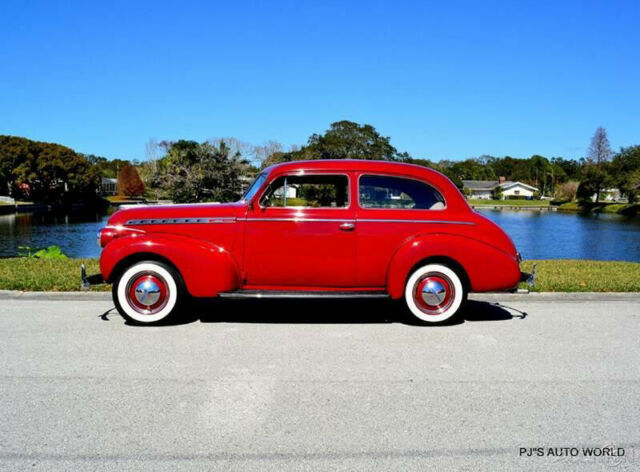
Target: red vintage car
(332, 228)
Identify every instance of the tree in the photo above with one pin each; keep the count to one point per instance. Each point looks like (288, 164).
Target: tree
(193, 172)
(129, 182)
(541, 169)
(567, 191)
(52, 173)
(598, 155)
(348, 140)
(625, 169)
(496, 193)
(594, 180)
(600, 149)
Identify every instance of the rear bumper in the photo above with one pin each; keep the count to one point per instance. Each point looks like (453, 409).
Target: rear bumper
(88, 280)
(529, 278)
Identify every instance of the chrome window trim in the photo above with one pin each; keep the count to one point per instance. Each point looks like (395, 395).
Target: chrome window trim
(361, 220)
(399, 176)
(298, 174)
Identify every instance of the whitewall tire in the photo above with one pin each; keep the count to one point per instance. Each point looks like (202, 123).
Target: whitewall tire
(434, 293)
(148, 292)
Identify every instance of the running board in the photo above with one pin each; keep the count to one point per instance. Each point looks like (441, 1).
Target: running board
(238, 294)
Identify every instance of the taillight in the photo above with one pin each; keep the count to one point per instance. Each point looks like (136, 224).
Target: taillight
(109, 233)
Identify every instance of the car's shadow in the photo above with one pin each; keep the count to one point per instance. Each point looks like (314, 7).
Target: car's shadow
(318, 311)
(335, 312)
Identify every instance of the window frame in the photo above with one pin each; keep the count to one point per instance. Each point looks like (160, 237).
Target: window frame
(305, 174)
(397, 176)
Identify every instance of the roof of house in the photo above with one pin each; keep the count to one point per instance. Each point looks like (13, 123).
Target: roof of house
(491, 184)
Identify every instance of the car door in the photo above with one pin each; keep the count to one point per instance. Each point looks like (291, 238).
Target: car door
(300, 233)
(391, 209)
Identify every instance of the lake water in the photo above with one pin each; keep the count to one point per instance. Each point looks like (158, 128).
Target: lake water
(537, 235)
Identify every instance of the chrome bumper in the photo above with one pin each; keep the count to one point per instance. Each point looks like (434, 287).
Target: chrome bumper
(529, 279)
(88, 281)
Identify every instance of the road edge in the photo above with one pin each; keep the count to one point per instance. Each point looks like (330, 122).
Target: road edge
(493, 296)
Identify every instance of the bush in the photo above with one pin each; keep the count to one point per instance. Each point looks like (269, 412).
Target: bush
(52, 252)
(566, 192)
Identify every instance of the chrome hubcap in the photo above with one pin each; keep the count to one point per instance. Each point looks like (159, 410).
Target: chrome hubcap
(147, 292)
(433, 293)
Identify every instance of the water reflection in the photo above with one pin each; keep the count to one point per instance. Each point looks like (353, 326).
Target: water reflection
(538, 235)
(75, 233)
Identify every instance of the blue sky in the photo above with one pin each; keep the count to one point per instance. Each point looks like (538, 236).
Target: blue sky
(442, 79)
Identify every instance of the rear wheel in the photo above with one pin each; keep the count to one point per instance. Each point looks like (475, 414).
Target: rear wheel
(149, 292)
(434, 293)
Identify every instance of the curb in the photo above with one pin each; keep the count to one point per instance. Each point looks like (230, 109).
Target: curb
(567, 297)
(490, 296)
(69, 296)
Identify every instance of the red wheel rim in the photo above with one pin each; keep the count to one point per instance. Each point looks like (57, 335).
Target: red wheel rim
(147, 293)
(434, 293)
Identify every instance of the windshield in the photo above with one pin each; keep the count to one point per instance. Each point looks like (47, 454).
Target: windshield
(255, 186)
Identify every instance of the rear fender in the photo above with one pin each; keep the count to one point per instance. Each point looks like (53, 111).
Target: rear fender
(205, 268)
(486, 267)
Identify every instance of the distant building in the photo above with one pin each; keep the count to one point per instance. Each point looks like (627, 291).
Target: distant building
(482, 189)
(109, 186)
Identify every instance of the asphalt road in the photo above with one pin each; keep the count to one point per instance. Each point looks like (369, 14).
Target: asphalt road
(319, 386)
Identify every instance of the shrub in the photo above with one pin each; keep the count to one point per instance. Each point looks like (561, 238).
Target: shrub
(496, 193)
(52, 252)
(566, 192)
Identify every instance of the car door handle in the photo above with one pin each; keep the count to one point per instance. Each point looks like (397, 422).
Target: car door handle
(347, 227)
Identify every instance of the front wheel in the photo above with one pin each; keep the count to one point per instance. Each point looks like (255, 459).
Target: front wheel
(434, 293)
(148, 292)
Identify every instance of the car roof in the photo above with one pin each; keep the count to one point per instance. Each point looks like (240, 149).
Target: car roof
(353, 165)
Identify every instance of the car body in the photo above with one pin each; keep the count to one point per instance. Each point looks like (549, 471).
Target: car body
(312, 228)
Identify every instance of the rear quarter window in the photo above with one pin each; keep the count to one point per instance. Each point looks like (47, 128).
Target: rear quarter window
(381, 191)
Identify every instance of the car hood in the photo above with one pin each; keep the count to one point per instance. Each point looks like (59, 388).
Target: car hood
(161, 212)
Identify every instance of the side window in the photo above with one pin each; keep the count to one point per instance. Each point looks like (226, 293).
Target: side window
(315, 191)
(379, 191)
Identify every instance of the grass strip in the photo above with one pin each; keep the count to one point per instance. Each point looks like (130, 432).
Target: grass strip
(522, 203)
(37, 275)
(565, 275)
(571, 275)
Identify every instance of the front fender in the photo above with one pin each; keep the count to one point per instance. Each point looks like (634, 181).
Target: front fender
(487, 267)
(205, 268)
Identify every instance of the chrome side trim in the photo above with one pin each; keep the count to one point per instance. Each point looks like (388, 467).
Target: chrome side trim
(364, 220)
(223, 220)
(180, 221)
(294, 219)
(240, 294)
(444, 222)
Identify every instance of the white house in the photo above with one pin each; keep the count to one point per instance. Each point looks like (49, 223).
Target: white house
(482, 189)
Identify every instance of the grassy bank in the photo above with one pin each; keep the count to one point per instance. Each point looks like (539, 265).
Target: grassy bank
(619, 208)
(585, 276)
(553, 275)
(57, 275)
(522, 203)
